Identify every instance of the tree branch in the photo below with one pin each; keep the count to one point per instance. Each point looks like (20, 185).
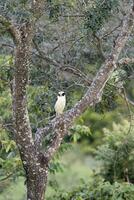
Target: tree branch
(60, 124)
(77, 15)
(62, 67)
(99, 46)
(5, 178)
(124, 95)
(111, 31)
(126, 61)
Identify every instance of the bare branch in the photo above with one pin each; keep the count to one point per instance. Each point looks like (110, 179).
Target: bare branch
(63, 67)
(66, 42)
(99, 45)
(126, 98)
(126, 61)
(6, 45)
(124, 95)
(129, 101)
(5, 178)
(77, 15)
(111, 31)
(93, 94)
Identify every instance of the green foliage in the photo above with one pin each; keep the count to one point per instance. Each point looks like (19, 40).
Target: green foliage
(6, 62)
(39, 105)
(117, 158)
(20, 9)
(117, 153)
(58, 7)
(94, 123)
(129, 69)
(99, 13)
(10, 162)
(118, 76)
(56, 165)
(98, 190)
(5, 106)
(78, 131)
(109, 99)
(14, 191)
(76, 166)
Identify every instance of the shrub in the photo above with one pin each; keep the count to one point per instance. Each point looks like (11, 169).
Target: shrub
(117, 153)
(98, 190)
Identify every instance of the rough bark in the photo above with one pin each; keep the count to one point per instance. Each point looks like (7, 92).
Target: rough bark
(36, 172)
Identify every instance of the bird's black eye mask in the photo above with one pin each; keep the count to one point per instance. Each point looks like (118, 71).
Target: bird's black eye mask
(59, 94)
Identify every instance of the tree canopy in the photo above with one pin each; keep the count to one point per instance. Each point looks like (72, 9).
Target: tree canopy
(84, 48)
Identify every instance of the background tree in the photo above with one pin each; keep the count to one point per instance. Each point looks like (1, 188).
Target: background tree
(23, 21)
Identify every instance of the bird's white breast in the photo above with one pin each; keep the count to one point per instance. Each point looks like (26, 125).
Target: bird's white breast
(60, 105)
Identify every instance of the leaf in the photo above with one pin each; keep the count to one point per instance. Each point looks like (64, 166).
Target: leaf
(8, 148)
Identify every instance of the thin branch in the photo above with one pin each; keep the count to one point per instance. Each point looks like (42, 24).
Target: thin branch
(111, 31)
(93, 94)
(99, 45)
(66, 42)
(7, 177)
(126, 61)
(126, 174)
(74, 42)
(7, 45)
(127, 104)
(63, 67)
(72, 16)
(126, 98)
(129, 101)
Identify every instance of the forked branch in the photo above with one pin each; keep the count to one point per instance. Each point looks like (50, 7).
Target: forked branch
(93, 94)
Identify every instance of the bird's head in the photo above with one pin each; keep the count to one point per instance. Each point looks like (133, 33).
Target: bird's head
(61, 94)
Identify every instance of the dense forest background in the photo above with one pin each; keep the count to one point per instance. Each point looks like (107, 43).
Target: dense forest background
(72, 40)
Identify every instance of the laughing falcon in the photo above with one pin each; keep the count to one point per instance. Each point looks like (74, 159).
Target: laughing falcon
(60, 103)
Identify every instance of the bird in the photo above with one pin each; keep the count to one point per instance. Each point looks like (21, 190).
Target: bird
(60, 103)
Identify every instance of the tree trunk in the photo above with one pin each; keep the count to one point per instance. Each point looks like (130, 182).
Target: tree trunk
(36, 171)
(36, 185)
